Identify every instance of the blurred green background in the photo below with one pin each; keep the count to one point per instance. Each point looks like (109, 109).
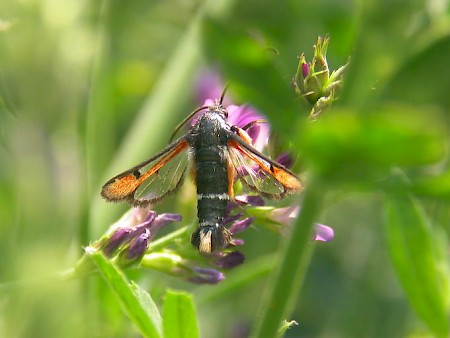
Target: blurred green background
(88, 89)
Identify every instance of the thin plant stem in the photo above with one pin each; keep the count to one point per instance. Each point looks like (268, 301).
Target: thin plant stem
(285, 287)
(164, 241)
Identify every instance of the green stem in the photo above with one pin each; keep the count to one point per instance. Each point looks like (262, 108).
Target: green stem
(287, 283)
(164, 241)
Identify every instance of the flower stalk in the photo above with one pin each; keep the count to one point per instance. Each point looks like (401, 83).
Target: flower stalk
(295, 260)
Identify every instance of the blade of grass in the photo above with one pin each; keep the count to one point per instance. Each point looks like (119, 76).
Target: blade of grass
(288, 280)
(419, 259)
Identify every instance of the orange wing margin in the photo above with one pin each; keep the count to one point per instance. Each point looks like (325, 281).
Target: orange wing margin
(123, 186)
(284, 176)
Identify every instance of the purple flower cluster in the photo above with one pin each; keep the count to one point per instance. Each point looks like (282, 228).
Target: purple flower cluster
(128, 238)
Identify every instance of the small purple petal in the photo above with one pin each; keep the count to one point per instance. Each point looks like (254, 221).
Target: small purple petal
(240, 225)
(231, 218)
(209, 86)
(323, 233)
(285, 159)
(305, 69)
(243, 200)
(162, 220)
(134, 216)
(150, 217)
(237, 242)
(241, 116)
(285, 215)
(206, 276)
(117, 239)
(167, 218)
(253, 200)
(242, 170)
(137, 247)
(230, 261)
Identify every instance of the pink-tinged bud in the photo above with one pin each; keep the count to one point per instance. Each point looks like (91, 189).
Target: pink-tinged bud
(305, 66)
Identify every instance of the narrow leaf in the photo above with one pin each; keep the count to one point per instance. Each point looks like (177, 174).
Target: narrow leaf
(179, 316)
(418, 256)
(136, 303)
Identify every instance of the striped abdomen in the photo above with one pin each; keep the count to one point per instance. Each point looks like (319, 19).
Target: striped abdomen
(209, 141)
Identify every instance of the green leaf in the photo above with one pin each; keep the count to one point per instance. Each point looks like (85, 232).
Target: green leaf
(346, 145)
(436, 186)
(179, 316)
(137, 304)
(415, 81)
(419, 257)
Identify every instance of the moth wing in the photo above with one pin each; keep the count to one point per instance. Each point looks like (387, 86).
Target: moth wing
(259, 173)
(152, 180)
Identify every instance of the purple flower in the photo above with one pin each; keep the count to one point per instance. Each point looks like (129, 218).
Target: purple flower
(161, 221)
(323, 233)
(135, 249)
(244, 116)
(235, 222)
(229, 260)
(174, 264)
(240, 225)
(287, 215)
(117, 239)
(206, 276)
(285, 159)
(252, 200)
(129, 237)
(210, 86)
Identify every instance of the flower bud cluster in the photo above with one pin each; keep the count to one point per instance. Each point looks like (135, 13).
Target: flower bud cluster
(313, 80)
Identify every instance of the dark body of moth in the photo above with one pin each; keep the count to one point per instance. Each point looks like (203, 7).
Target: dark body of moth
(216, 150)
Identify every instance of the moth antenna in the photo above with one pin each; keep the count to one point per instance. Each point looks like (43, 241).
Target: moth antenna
(224, 91)
(182, 123)
(251, 124)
